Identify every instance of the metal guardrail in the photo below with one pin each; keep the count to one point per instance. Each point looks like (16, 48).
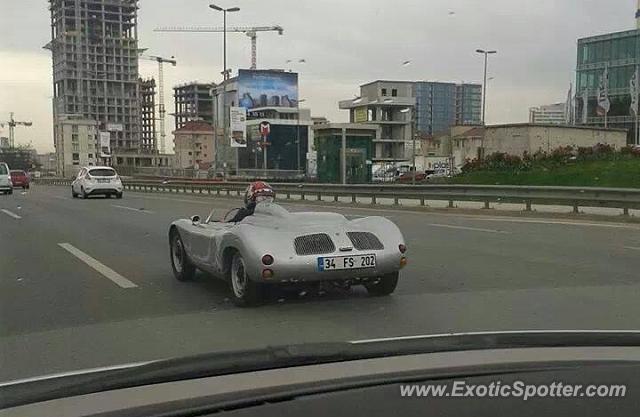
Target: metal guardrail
(576, 197)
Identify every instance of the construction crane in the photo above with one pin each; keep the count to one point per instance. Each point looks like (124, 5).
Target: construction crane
(12, 123)
(161, 109)
(251, 32)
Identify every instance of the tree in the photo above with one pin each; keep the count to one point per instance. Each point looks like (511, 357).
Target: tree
(21, 157)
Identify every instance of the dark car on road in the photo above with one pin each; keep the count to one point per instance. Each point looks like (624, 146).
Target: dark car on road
(20, 179)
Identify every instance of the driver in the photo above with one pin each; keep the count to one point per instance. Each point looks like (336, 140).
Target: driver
(257, 192)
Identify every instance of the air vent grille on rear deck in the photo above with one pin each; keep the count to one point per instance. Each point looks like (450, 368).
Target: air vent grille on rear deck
(317, 244)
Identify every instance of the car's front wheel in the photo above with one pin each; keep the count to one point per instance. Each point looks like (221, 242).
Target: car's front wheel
(73, 193)
(245, 292)
(119, 196)
(84, 194)
(384, 285)
(182, 267)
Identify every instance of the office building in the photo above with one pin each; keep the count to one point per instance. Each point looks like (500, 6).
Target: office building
(76, 143)
(468, 105)
(193, 101)
(389, 105)
(269, 96)
(550, 114)
(148, 137)
(392, 104)
(619, 52)
(94, 46)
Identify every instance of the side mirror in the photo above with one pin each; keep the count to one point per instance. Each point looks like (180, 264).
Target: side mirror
(195, 220)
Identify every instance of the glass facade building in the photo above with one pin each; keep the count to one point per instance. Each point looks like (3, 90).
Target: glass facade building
(620, 53)
(442, 105)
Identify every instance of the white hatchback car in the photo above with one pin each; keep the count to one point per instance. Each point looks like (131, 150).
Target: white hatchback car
(6, 186)
(97, 181)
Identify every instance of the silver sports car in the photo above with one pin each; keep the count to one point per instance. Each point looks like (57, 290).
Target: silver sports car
(274, 246)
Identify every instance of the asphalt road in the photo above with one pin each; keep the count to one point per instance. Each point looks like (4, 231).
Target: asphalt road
(87, 283)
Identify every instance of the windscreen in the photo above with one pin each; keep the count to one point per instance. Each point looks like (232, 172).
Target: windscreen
(3, 169)
(102, 172)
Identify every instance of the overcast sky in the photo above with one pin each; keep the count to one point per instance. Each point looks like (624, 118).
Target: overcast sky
(345, 43)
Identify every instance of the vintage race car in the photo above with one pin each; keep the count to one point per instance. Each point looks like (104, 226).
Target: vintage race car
(275, 246)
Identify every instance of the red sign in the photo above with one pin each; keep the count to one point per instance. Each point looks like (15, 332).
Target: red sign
(265, 129)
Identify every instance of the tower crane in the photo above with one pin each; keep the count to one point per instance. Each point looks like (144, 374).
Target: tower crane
(161, 108)
(12, 123)
(251, 32)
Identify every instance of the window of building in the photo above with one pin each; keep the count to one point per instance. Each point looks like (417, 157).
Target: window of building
(75, 156)
(90, 156)
(394, 92)
(190, 153)
(384, 92)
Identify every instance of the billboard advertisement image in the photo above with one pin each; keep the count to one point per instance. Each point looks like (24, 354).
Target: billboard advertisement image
(238, 127)
(267, 89)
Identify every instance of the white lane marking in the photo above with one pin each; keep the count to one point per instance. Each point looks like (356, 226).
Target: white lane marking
(144, 211)
(61, 198)
(541, 221)
(11, 214)
(473, 229)
(631, 247)
(101, 268)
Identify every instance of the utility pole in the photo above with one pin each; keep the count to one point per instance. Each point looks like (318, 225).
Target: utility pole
(484, 94)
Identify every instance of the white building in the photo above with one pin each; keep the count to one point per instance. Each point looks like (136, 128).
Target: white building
(76, 142)
(554, 114)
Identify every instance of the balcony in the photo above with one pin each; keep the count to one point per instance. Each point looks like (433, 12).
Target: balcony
(379, 101)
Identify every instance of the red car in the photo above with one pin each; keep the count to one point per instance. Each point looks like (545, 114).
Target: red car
(20, 179)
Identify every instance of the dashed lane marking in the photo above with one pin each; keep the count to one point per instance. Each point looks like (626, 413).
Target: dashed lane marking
(98, 266)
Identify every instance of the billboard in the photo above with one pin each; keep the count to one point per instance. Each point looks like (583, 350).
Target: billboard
(361, 115)
(238, 127)
(114, 127)
(105, 144)
(267, 89)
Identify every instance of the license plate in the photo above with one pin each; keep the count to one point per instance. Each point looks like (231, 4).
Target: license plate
(101, 181)
(338, 263)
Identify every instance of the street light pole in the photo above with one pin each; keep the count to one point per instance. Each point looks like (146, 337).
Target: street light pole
(225, 77)
(484, 94)
(224, 32)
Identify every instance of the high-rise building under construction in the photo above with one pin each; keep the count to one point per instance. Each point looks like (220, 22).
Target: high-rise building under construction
(94, 45)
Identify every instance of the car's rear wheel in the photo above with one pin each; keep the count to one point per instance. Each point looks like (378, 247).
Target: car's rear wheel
(10, 192)
(119, 196)
(245, 292)
(384, 285)
(183, 269)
